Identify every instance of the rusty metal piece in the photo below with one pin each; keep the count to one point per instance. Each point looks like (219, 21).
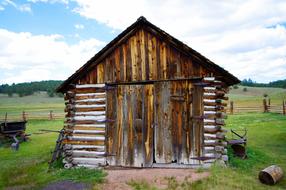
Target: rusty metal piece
(238, 144)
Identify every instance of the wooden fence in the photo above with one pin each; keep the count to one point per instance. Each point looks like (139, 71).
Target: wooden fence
(24, 115)
(264, 107)
(231, 109)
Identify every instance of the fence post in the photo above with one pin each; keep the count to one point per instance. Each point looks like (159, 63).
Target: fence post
(51, 115)
(265, 107)
(24, 116)
(284, 107)
(231, 107)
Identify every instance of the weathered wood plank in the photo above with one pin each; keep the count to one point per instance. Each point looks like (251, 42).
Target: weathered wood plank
(125, 125)
(109, 126)
(100, 73)
(148, 121)
(77, 142)
(163, 132)
(119, 131)
(130, 145)
(138, 55)
(128, 62)
(197, 111)
(153, 65)
(143, 55)
(117, 69)
(133, 49)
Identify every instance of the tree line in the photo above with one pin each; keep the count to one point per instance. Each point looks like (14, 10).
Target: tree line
(276, 84)
(29, 88)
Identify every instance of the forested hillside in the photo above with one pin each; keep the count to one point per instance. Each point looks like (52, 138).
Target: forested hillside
(28, 88)
(276, 84)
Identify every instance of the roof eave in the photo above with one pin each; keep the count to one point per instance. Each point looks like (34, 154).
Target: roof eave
(230, 79)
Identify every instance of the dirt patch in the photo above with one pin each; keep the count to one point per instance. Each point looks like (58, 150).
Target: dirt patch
(64, 185)
(118, 179)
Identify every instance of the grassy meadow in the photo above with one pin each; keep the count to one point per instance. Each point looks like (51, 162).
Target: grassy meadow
(37, 104)
(28, 167)
(253, 96)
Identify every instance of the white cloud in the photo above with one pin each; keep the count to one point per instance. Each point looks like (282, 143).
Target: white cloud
(2, 8)
(28, 57)
(79, 26)
(24, 8)
(245, 37)
(20, 7)
(49, 1)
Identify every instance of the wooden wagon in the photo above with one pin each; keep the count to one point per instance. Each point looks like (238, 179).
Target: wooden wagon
(14, 130)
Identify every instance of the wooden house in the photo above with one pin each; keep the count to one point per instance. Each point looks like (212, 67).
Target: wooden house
(145, 100)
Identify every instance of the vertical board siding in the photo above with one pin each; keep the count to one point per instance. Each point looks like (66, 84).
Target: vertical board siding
(177, 137)
(144, 57)
(163, 128)
(197, 124)
(110, 126)
(152, 121)
(132, 135)
(148, 121)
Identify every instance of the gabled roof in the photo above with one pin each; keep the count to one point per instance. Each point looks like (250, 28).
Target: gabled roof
(143, 23)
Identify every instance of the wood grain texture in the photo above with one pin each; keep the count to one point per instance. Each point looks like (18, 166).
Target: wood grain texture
(142, 57)
(156, 120)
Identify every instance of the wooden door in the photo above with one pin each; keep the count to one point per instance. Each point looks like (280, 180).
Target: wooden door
(177, 134)
(129, 130)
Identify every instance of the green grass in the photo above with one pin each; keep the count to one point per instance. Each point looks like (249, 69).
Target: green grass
(266, 146)
(254, 96)
(28, 167)
(39, 102)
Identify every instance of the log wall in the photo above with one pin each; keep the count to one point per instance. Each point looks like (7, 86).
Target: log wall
(214, 147)
(84, 142)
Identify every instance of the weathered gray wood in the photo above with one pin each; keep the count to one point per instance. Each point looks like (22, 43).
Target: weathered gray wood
(163, 135)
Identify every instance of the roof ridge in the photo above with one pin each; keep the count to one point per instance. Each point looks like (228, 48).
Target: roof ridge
(133, 28)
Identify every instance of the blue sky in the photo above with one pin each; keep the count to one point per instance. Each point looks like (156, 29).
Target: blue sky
(51, 39)
(53, 18)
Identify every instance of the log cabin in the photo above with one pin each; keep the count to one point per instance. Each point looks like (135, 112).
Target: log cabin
(145, 100)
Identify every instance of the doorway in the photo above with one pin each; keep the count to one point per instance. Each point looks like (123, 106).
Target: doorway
(153, 124)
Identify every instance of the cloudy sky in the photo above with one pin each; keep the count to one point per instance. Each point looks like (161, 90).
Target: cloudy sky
(50, 39)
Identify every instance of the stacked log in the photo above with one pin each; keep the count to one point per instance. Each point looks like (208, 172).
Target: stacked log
(85, 126)
(214, 114)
